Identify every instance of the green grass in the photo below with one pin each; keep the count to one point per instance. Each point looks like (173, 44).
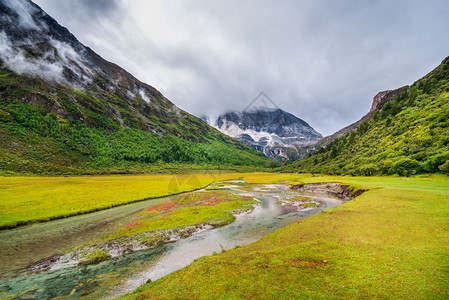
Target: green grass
(214, 208)
(94, 256)
(390, 242)
(27, 200)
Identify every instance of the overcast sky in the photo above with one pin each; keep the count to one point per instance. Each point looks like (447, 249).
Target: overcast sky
(322, 60)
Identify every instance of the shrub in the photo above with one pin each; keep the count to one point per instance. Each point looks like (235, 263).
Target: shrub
(368, 169)
(406, 166)
(385, 167)
(444, 167)
(433, 163)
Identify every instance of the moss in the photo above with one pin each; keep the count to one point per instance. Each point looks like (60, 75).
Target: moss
(93, 256)
(214, 208)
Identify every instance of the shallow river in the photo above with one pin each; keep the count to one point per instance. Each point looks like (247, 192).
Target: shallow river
(23, 246)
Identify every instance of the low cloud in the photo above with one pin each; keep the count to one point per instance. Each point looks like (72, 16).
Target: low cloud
(25, 14)
(50, 64)
(14, 59)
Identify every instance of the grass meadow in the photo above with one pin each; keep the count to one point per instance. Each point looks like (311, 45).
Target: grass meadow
(390, 242)
(25, 200)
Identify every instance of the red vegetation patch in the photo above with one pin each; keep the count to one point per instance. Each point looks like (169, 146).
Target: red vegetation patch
(132, 224)
(163, 206)
(315, 264)
(210, 201)
(309, 263)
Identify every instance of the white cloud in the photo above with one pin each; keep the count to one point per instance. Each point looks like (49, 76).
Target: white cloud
(25, 11)
(14, 59)
(50, 65)
(144, 96)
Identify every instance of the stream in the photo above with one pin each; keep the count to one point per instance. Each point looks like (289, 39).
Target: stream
(114, 277)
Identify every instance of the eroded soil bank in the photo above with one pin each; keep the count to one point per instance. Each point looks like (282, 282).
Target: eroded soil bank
(336, 189)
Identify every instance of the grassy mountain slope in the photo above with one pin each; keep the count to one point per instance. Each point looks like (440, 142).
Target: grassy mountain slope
(37, 140)
(64, 109)
(407, 134)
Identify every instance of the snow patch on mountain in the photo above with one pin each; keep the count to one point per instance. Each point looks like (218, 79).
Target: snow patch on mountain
(274, 132)
(233, 130)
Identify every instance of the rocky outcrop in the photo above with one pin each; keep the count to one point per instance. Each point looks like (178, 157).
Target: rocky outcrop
(336, 189)
(381, 97)
(117, 247)
(378, 99)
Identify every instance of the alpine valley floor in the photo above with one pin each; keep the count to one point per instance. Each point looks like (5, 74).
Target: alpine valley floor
(390, 242)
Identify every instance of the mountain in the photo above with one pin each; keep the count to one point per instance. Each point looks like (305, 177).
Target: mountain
(405, 132)
(65, 109)
(274, 132)
(378, 101)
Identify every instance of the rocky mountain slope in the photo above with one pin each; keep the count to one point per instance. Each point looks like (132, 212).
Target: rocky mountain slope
(64, 108)
(378, 101)
(405, 132)
(274, 132)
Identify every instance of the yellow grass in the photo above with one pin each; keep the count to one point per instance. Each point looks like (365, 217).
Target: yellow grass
(26, 200)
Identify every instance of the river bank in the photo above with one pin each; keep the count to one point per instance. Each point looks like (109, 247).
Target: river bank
(391, 242)
(267, 216)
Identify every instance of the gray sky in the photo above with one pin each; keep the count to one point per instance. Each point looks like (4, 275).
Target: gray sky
(322, 60)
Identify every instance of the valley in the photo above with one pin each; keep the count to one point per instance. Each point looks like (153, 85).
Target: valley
(41, 255)
(392, 240)
(314, 245)
(110, 190)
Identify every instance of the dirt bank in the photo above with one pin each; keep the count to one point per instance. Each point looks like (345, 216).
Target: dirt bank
(336, 189)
